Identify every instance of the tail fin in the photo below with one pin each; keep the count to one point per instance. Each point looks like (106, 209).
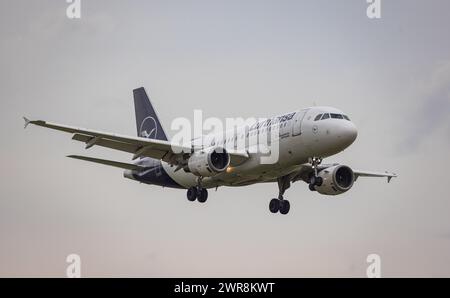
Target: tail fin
(147, 122)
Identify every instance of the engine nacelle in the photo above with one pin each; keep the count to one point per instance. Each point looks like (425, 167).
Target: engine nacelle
(209, 162)
(335, 180)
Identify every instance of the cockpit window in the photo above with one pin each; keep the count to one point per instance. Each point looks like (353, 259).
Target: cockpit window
(331, 115)
(336, 116)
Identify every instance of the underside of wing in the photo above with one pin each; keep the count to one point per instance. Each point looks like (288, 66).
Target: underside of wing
(122, 165)
(387, 175)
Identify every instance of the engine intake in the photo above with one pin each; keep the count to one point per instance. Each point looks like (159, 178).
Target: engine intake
(209, 162)
(336, 180)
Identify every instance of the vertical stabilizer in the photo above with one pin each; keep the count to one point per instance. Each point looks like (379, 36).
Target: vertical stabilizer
(147, 122)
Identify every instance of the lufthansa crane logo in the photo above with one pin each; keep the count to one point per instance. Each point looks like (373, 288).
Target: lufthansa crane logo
(148, 128)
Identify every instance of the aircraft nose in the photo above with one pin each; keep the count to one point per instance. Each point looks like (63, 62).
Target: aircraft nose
(348, 133)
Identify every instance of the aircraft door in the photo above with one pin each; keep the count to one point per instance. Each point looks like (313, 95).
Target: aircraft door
(297, 124)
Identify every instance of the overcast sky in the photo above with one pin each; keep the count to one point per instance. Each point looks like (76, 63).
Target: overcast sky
(229, 59)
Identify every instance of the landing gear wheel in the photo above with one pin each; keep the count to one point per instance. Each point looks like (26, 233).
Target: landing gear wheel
(280, 204)
(274, 205)
(316, 181)
(285, 206)
(192, 194)
(202, 195)
(319, 181)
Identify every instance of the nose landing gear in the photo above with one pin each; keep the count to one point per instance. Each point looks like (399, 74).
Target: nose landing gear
(315, 180)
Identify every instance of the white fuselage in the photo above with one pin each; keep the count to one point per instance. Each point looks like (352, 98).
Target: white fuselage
(301, 136)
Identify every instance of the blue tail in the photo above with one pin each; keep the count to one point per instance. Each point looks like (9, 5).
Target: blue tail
(147, 122)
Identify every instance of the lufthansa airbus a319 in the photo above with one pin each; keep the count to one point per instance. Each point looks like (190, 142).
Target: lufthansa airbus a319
(303, 139)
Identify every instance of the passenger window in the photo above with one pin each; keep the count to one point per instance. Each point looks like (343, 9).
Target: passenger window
(318, 117)
(336, 116)
(325, 116)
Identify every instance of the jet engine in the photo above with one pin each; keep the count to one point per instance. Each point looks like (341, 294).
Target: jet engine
(335, 180)
(208, 162)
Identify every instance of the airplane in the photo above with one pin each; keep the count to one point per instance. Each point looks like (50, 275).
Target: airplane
(304, 138)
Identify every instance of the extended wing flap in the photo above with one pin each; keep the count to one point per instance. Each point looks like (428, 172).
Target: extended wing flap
(121, 146)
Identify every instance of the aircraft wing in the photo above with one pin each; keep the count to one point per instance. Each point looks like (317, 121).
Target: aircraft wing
(388, 175)
(140, 147)
(306, 170)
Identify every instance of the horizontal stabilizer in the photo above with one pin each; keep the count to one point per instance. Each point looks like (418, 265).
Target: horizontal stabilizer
(27, 122)
(122, 165)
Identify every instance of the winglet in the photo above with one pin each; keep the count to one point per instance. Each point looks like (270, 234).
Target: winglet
(390, 177)
(27, 122)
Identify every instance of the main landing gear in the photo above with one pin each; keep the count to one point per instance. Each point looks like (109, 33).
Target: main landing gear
(283, 206)
(280, 204)
(197, 193)
(315, 180)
